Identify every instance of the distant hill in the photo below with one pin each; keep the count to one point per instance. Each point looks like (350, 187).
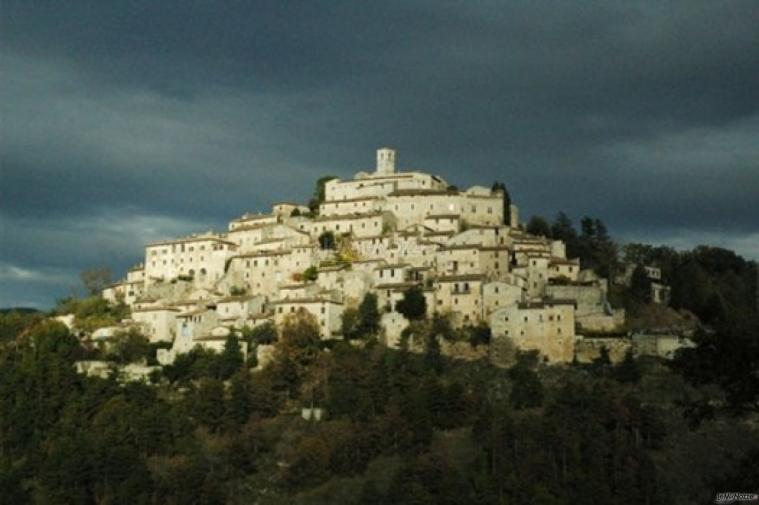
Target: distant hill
(23, 310)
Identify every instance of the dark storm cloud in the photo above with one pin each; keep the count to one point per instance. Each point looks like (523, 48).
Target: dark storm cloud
(184, 114)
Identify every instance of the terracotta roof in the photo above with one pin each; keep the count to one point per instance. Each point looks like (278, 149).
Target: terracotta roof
(395, 285)
(194, 312)
(348, 200)
(461, 277)
(235, 298)
(442, 216)
(155, 308)
(296, 301)
(564, 261)
(345, 217)
(332, 268)
(261, 254)
(253, 217)
(400, 175)
(423, 192)
(545, 303)
(395, 265)
(458, 247)
(185, 240)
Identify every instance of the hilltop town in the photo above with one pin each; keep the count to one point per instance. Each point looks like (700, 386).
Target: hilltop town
(387, 233)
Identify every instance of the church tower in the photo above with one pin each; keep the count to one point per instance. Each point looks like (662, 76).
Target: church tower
(385, 161)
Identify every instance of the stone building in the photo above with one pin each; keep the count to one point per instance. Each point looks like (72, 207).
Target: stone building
(394, 230)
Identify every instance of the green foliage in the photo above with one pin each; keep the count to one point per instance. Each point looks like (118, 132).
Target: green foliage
(263, 334)
(130, 346)
(14, 323)
(479, 335)
(526, 390)
(628, 369)
(640, 285)
(402, 427)
(310, 274)
(92, 313)
(441, 326)
(193, 365)
(349, 323)
(364, 322)
(231, 358)
(208, 407)
(499, 186)
(729, 356)
(327, 241)
(538, 226)
(238, 290)
(319, 193)
(368, 316)
(413, 305)
(95, 280)
(593, 245)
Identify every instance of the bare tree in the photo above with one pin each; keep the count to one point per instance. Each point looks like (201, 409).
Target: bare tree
(95, 280)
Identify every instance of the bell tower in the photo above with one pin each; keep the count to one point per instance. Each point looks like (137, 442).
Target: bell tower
(385, 161)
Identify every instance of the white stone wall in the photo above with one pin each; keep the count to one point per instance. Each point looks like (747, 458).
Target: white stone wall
(328, 314)
(547, 328)
(499, 294)
(202, 258)
(159, 323)
(460, 295)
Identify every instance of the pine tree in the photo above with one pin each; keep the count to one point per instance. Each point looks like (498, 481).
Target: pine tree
(368, 316)
(238, 407)
(231, 358)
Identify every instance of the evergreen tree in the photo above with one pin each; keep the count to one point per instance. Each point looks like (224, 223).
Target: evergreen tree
(209, 403)
(319, 193)
(238, 407)
(231, 358)
(640, 285)
(368, 316)
(539, 226)
(562, 229)
(413, 305)
(627, 370)
(526, 388)
(499, 186)
(327, 241)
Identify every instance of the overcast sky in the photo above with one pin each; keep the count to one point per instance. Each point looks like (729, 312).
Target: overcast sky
(124, 122)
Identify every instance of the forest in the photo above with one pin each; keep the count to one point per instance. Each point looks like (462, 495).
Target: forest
(398, 426)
